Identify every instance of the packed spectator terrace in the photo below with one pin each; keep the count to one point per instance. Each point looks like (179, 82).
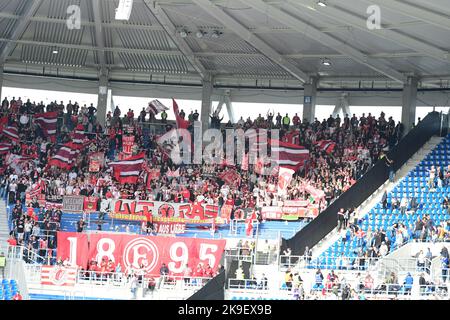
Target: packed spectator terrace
(32, 135)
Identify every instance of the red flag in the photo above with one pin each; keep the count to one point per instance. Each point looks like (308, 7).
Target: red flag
(326, 145)
(181, 123)
(249, 223)
(129, 169)
(231, 177)
(48, 123)
(289, 155)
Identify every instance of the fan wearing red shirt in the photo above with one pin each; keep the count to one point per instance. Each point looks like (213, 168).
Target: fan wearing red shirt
(12, 241)
(230, 200)
(198, 272)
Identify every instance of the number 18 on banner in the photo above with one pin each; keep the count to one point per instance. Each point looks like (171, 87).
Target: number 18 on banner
(132, 252)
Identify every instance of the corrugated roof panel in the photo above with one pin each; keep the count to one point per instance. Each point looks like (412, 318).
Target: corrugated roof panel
(56, 33)
(244, 65)
(143, 39)
(44, 55)
(154, 62)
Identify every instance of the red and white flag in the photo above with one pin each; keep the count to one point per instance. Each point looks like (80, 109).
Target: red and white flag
(12, 132)
(65, 157)
(79, 136)
(284, 179)
(288, 155)
(36, 189)
(249, 223)
(129, 169)
(326, 145)
(156, 107)
(173, 174)
(58, 276)
(231, 177)
(5, 147)
(48, 123)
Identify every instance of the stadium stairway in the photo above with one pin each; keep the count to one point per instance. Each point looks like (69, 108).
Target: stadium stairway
(411, 179)
(4, 228)
(388, 186)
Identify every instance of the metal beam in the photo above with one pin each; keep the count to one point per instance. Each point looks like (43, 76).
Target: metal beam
(436, 19)
(99, 36)
(171, 30)
(21, 26)
(204, 54)
(334, 12)
(246, 35)
(256, 30)
(315, 34)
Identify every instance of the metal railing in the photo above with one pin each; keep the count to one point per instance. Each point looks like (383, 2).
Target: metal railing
(248, 284)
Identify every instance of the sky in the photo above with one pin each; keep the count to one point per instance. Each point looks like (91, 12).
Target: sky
(240, 109)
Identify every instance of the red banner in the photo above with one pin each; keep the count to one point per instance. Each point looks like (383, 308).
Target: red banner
(127, 143)
(132, 251)
(90, 204)
(73, 246)
(96, 161)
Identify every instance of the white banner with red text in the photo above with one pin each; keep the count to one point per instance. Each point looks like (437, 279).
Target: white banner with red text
(156, 211)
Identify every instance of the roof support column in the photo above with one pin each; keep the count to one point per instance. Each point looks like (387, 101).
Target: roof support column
(102, 99)
(230, 111)
(206, 101)
(409, 103)
(309, 100)
(343, 105)
(1, 82)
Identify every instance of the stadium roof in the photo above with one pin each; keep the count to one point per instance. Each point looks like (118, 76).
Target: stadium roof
(246, 42)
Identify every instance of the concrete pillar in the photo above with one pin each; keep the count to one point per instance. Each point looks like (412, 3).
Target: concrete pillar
(206, 102)
(102, 99)
(1, 83)
(409, 103)
(342, 105)
(230, 111)
(309, 100)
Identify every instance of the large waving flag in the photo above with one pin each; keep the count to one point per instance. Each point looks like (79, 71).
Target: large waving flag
(289, 155)
(5, 147)
(174, 173)
(231, 177)
(129, 169)
(65, 157)
(48, 123)
(11, 132)
(284, 179)
(79, 136)
(156, 107)
(326, 145)
(181, 123)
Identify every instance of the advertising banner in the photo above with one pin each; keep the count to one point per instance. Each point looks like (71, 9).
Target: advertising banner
(144, 210)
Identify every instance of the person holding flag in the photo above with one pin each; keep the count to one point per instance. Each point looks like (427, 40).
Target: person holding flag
(249, 223)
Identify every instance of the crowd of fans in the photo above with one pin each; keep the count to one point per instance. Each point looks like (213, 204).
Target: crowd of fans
(360, 142)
